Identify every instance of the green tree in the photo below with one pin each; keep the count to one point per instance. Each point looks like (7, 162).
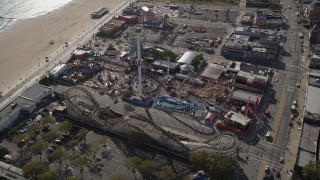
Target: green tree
(52, 135)
(65, 126)
(117, 177)
(186, 177)
(218, 167)
(104, 140)
(167, 173)
(35, 130)
(38, 147)
(196, 60)
(34, 168)
(311, 171)
(21, 140)
(147, 168)
(82, 134)
(71, 178)
(72, 143)
(92, 150)
(80, 162)
(132, 164)
(59, 154)
(48, 120)
(49, 175)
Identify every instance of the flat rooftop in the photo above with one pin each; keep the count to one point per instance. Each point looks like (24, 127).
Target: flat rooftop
(165, 63)
(213, 71)
(9, 109)
(255, 69)
(314, 81)
(246, 18)
(315, 73)
(237, 117)
(315, 56)
(312, 100)
(34, 91)
(248, 75)
(237, 41)
(242, 95)
(309, 137)
(304, 157)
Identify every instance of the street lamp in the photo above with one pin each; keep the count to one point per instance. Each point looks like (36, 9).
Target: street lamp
(168, 66)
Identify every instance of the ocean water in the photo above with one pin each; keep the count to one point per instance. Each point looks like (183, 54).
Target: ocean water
(13, 10)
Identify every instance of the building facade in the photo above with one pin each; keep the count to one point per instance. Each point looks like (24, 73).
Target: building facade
(314, 34)
(313, 13)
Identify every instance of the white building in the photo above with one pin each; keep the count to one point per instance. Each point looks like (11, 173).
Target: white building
(12, 111)
(187, 57)
(58, 70)
(26, 102)
(37, 93)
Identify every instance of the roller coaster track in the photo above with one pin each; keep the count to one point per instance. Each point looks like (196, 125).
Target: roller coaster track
(83, 107)
(158, 128)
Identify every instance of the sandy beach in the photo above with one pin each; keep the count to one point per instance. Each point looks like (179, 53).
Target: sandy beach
(23, 48)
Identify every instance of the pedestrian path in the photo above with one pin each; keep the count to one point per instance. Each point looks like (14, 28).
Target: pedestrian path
(261, 171)
(294, 136)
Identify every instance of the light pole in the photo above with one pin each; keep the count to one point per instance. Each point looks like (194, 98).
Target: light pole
(168, 69)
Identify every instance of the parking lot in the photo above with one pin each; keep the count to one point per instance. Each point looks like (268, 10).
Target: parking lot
(207, 39)
(105, 160)
(213, 15)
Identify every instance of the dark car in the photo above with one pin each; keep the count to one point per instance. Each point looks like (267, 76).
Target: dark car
(138, 102)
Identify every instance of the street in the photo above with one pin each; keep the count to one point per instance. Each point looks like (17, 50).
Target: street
(278, 99)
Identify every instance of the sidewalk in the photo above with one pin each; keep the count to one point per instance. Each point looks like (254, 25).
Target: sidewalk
(294, 136)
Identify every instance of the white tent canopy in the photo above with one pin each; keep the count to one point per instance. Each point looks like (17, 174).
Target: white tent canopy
(186, 68)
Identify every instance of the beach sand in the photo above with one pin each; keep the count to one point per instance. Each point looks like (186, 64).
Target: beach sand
(24, 48)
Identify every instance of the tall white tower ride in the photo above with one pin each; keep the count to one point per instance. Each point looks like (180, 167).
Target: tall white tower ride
(139, 60)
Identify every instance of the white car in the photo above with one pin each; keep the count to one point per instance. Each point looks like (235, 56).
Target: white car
(266, 169)
(281, 160)
(268, 135)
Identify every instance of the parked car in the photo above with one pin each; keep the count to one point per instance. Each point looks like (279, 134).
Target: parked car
(268, 135)
(51, 148)
(281, 160)
(138, 102)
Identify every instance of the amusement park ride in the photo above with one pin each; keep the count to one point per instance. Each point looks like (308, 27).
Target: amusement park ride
(248, 111)
(139, 60)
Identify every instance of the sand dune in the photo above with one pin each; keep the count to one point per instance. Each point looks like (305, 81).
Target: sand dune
(24, 48)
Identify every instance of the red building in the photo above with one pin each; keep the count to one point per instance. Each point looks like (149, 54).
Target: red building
(113, 26)
(251, 82)
(235, 122)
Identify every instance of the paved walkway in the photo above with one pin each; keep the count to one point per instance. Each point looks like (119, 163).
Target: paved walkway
(294, 136)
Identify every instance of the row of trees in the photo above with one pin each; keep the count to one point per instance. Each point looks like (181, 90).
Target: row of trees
(220, 167)
(216, 166)
(40, 171)
(147, 169)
